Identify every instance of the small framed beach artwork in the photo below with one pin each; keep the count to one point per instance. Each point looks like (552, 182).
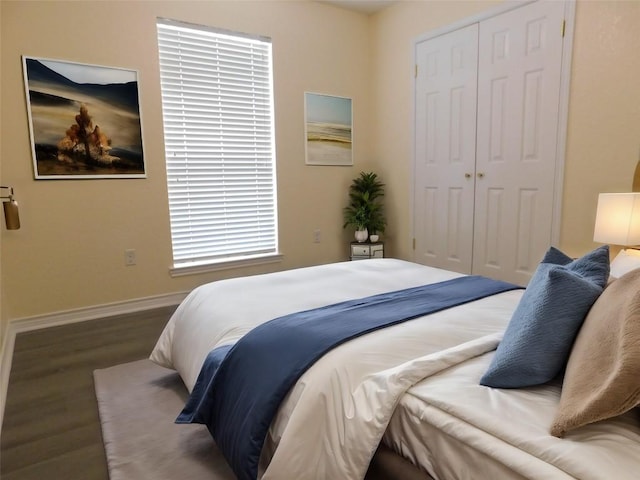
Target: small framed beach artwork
(328, 130)
(84, 120)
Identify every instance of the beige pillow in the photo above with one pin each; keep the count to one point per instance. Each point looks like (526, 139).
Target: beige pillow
(602, 379)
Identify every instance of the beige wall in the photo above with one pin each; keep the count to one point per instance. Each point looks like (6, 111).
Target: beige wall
(603, 143)
(70, 251)
(604, 113)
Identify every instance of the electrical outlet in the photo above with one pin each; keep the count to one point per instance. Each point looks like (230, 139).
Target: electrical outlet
(129, 257)
(316, 236)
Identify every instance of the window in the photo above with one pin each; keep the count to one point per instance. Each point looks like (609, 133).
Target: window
(217, 104)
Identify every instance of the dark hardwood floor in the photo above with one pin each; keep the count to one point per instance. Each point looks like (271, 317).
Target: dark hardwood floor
(51, 429)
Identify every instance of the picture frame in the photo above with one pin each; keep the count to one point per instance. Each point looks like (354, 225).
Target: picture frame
(84, 120)
(328, 129)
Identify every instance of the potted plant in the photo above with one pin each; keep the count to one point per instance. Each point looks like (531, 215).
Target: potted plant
(357, 217)
(365, 210)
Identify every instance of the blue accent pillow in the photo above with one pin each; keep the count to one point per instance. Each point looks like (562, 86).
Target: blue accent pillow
(537, 342)
(557, 257)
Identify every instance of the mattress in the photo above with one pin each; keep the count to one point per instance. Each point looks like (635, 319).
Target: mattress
(453, 428)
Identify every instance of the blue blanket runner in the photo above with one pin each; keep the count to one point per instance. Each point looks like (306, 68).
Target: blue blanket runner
(240, 387)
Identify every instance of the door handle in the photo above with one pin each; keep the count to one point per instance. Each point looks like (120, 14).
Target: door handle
(480, 175)
(467, 175)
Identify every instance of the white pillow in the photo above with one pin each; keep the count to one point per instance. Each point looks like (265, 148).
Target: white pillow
(624, 262)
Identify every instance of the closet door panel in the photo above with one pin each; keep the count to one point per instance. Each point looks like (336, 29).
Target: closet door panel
(445, 131)
(518, 102)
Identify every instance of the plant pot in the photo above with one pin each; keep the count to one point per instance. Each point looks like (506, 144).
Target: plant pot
(374, 237)
(362, 235)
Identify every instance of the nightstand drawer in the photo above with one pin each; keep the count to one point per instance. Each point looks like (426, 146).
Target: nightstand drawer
(360, 250)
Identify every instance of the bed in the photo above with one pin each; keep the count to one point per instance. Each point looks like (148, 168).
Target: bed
(412, 388)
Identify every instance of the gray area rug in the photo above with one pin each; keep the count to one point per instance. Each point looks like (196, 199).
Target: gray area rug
(138, 403)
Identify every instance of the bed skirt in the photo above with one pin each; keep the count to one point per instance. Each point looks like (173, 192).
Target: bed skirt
(388, 465)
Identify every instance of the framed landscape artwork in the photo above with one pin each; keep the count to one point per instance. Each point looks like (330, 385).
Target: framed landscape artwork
(328, 130)
(84, 120)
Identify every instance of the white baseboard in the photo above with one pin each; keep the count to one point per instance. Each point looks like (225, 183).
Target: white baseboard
(27, 324)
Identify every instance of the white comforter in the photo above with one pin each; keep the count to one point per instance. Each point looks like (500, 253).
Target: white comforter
(332, 420)
(459, 429)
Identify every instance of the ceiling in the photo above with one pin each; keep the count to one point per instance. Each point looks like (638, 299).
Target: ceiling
(368, 7)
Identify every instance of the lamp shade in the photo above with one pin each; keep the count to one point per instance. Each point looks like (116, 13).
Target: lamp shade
(618, 219)
(10, 207)
(11, 214)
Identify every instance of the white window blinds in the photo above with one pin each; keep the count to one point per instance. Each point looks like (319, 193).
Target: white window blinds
(217, 103)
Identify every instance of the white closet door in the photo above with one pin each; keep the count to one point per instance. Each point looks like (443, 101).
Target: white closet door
(518, 102)
(445, 145)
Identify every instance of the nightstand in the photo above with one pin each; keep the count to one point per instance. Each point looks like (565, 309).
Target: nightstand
(366, 250)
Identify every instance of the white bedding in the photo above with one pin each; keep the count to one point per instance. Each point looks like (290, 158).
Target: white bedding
(348, 397)
(219, 313)
(456, 428)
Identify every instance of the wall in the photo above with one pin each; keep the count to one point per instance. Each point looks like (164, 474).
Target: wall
(604, 113)
(70, 251)
(2, 315)
(603, 144)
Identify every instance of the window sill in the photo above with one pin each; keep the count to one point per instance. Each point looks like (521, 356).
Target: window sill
(194, 268)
